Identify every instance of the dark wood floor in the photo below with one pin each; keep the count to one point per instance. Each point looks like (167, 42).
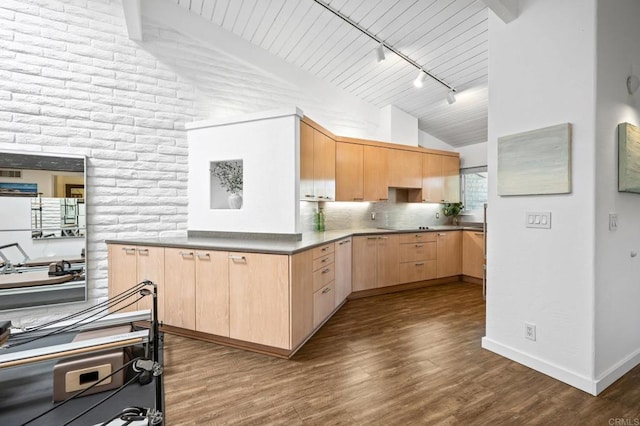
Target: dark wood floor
(405, 358)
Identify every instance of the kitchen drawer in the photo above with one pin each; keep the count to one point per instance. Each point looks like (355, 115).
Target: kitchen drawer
(417, 251)
(415, 237)
(323, 276)
(417, 271)
(323, 250)
(323, 303)
(323, 261)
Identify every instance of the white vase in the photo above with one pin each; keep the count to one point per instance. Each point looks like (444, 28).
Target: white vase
(235, 201)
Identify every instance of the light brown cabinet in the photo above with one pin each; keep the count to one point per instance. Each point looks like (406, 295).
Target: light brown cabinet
(196, 283)
(440, 178)
(449, 254)
(317, 164)
(349, 172)
(259, 298)
(473, 253)
(376, 173)
(417, 257)
(130, 265)
(375, 261)
(323, 282)
(343, 263)
(451, 176)
(405, 168)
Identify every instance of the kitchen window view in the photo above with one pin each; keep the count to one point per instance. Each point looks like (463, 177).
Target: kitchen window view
(473, 188)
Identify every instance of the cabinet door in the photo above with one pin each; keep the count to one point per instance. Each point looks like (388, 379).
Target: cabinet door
(364, 272)
(122, 274)
(375, 173)
(432, 180)
(259, 298)
(472, 253)
(388, 260)
(405, 169)
(349, 172)
(150, 266)
(306, 161)
(324, 166)
(451, 175)
(448, 257)
(180, 288)
(343, 270)
(323, 303)
(212, 292)
(301, 287)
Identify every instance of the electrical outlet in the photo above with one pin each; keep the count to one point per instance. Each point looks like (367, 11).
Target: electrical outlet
(373, 215)
(529, 331)
(437, 215)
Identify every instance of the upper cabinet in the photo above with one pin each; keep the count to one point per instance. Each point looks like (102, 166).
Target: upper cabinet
(376, 173)
(405, 169)
(440, 178)
(349, 172)
(317, 164)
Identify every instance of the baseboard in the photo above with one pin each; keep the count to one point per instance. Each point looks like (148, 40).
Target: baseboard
(573, 379)
(617, 371)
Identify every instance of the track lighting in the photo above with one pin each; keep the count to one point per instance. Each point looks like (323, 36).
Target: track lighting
(380, 52)
(419, 81)
(451, 97)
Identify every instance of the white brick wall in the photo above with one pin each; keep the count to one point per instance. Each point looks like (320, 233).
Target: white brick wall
(71, 81)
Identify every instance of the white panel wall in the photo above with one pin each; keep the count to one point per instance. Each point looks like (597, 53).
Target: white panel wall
(398, 127)
(473, 155)
(542, 73)
(617, 273)
(269, 150)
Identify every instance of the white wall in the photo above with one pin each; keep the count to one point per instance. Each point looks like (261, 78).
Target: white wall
(397, 126)
(270, 174)
(426, 140)
(617, 273)
(542, 73)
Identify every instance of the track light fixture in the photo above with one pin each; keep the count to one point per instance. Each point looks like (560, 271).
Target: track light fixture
(418, 82)
(451, 97)
(380, 52)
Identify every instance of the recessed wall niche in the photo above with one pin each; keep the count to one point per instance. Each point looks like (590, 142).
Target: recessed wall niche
(226, 182)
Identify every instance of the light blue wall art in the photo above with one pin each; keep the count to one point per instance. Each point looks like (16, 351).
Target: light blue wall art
(628, 158)
(537, 162)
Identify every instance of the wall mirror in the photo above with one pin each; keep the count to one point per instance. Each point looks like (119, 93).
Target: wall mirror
(42, 229)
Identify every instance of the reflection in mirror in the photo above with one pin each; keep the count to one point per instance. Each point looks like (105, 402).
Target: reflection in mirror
(42, 229)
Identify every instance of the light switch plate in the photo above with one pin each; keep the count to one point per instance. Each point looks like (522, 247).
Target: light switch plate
(538, 220)
(613, 221)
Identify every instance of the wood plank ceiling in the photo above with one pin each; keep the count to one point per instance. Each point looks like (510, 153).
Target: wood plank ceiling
(447, 37)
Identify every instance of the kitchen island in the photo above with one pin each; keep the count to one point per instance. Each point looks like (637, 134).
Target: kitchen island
(271, 295)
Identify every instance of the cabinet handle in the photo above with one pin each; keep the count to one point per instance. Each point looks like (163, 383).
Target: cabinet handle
(344, 242)
(201, 255)
(129, 250)
(419, 263)
(326, 270)
(442, 235)
(383, 238)
(325, 248)
(326, 290)
(238, 259)
(383, 199)
(478, 233)
(185, 253)
(309, 196)
(372, 238)
(143, 251)
(418, 235)
(324, 260)
(358, 198)
(419, 245)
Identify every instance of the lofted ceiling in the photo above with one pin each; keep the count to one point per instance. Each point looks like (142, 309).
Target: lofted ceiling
(448, 38)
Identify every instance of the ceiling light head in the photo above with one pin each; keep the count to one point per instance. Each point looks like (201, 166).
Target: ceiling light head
(419, 81)
(632, 84)
(380, 52)
(451, 97)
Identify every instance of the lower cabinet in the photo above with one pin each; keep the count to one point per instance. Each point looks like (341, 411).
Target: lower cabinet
(259, 298)
(417, 257)
(449, 256)
(375, 261)
(473, 253)
(343, 264)
(130, 265)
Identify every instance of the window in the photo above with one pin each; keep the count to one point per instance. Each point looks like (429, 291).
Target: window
(473, 185)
